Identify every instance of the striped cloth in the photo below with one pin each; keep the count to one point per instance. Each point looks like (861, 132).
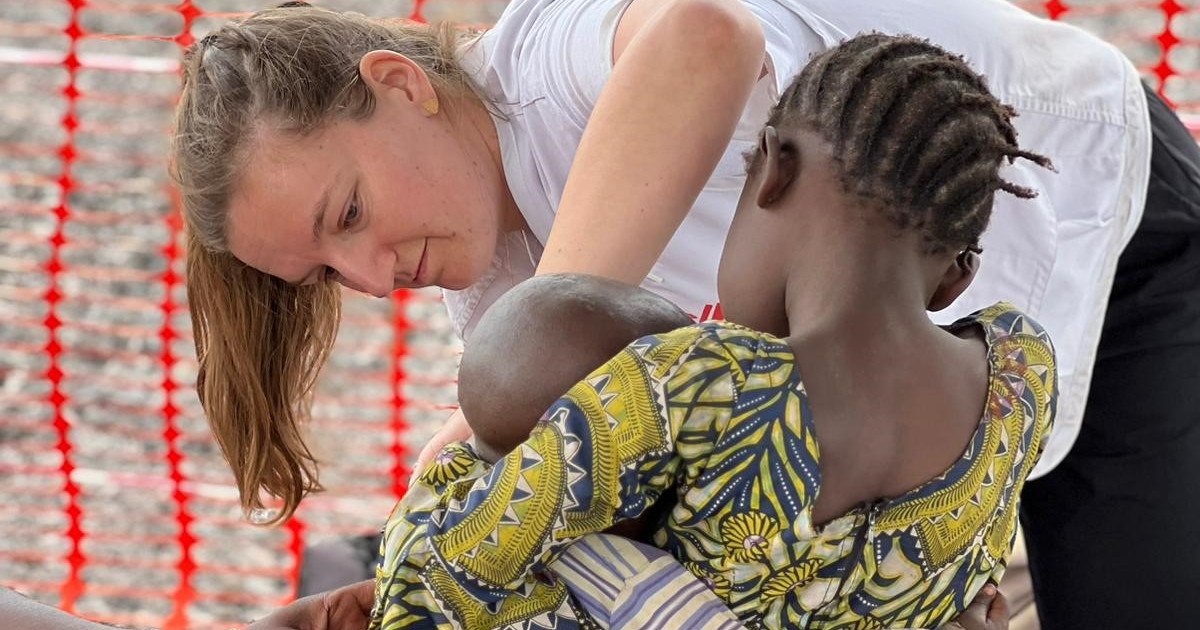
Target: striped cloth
(626, 585)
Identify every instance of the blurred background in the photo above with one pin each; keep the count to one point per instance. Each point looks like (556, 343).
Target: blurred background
(115, 501)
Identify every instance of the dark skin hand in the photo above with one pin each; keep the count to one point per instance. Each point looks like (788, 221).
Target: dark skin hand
(347, 608)
(988, 611)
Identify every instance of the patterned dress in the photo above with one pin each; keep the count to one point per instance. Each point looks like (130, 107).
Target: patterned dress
(717, 415)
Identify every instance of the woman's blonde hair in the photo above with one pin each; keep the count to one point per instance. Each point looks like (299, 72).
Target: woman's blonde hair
(261, 342)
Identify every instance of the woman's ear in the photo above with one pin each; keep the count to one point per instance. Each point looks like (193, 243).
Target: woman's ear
(779, 163)
(385, 70)
(955, 281)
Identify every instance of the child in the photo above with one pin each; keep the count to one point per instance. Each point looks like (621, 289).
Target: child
(538, 342)
(836, 460)
(595, 317)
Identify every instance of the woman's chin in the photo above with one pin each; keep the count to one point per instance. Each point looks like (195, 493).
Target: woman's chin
(457, 279)
(454, 283)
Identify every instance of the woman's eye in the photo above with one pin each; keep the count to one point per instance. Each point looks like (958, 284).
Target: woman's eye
(331, 274)
(352, 215)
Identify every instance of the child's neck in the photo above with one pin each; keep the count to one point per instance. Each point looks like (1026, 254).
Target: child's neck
(858, 296)
(873, 367)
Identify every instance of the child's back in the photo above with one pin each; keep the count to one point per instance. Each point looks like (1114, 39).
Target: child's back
(751, 476)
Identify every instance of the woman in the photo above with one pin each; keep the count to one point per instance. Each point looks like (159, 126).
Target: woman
(603, 137)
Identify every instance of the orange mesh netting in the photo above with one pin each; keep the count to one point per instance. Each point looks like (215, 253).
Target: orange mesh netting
(117, 505)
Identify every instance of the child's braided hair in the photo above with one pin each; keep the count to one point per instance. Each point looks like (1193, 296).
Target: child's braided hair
(911, 126)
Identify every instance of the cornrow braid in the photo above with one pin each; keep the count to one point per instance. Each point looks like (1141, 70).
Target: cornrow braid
(911, 126)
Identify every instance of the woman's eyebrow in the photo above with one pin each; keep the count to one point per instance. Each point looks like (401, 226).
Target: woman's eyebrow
(319, 212)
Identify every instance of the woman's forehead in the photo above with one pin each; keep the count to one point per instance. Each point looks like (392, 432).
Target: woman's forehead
(284, 188)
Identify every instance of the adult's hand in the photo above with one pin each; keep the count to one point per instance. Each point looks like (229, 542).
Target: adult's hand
(456, 429)
(347, 608)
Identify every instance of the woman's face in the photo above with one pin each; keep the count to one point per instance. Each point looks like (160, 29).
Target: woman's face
(398, 200)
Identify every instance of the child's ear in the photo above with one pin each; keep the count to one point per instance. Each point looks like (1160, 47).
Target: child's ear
(780, 161)
(955, 281)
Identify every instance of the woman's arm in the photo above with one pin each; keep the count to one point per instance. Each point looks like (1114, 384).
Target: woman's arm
(683, 72)
(347, 607)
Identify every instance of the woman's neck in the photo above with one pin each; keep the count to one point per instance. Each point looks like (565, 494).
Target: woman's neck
(477, 130)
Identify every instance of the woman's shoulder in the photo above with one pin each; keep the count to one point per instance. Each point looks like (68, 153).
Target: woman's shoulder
(559, 49)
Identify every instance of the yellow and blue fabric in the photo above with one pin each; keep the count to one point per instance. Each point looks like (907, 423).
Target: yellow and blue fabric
(717, 415)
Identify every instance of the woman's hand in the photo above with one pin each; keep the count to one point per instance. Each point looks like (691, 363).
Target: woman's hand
(347, 608)
(456, 429)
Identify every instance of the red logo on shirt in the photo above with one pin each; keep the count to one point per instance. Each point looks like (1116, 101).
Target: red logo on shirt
(710, 312)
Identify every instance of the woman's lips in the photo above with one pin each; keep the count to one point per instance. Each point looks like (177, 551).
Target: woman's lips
(417, 278)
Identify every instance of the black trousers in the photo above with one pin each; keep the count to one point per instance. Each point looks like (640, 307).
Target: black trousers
(1113, 532)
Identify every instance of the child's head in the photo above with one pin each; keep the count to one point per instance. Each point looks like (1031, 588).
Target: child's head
(890, 132)
(542, 337)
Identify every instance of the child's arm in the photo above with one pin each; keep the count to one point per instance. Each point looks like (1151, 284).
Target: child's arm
(603, 453)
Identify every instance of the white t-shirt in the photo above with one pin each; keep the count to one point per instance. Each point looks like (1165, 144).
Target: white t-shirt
(1080, 103)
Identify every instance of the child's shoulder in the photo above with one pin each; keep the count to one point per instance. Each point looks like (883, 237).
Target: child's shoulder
(709, 343)
(713, 330)
(1020, 351)
(1004, 323)
(736, 340)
